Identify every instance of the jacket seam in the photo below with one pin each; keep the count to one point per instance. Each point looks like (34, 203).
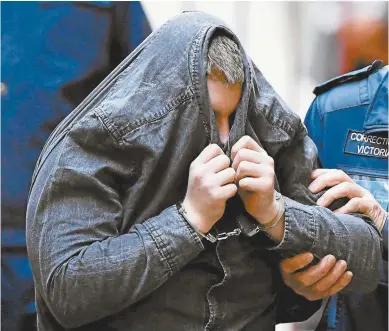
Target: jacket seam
(343, 108)
(162, 246)
(171, 105)
(118, 133)
(193, 60)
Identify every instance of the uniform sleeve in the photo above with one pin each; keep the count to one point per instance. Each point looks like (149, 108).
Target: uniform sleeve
(85, 266)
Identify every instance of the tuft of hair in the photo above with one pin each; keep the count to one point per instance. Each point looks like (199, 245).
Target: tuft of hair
(224, 55)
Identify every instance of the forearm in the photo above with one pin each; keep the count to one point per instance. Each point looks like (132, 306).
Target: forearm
(321, 232)
(107, 276)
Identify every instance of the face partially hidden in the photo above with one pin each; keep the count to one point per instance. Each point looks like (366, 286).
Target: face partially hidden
(224, 100)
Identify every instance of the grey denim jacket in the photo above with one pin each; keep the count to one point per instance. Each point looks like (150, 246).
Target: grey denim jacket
(108, 248)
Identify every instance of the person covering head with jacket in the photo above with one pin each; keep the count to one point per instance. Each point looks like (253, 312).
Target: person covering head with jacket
(168, 197)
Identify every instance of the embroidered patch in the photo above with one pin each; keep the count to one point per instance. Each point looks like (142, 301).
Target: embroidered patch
(373, 145)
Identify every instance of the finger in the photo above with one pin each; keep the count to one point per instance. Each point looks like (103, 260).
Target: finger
(295, 263)
(218, 163)
(208, 153)
(318, 172)
(253, 170)
(329, 179)
(225, 176)
(227, 191)
(330, 279)
(341, 190)
(342, 282)
(245, 154)
(256, 184)
(355, 205)
(245, 142)
(315, 273)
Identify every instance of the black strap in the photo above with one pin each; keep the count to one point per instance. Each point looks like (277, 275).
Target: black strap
(349, 77)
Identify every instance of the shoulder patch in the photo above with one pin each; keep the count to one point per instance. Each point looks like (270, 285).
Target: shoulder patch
(369, 145)
(348, 77)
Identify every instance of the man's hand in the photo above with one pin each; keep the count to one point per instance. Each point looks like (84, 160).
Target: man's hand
(210, 185)
(317, 282)
(255, 175)
(361, 200)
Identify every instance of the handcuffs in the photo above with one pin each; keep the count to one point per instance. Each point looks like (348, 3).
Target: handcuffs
(246, 226)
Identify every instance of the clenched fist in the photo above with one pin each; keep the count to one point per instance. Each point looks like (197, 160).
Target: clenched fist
(255, 175)
(210, 185)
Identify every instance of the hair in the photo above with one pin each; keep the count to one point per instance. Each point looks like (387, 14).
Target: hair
(224, 55)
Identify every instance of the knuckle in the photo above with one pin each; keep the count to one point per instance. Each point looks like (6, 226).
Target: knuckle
(231, 173)
(225, 160)
(243, 166)
(241, 154)
(318, 288)
(213, 194)
(246, 138)
(197, 174)
(339, 173)
(234, 189)
(323, 271)
(303, 282)
(268, 183)
(215, 148)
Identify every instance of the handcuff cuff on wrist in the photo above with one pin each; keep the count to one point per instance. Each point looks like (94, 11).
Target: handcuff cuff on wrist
(213, 237)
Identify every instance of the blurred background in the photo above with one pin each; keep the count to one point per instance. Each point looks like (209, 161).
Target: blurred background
(54, 53)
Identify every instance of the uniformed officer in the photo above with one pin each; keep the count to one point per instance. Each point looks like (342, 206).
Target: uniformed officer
(348, 121)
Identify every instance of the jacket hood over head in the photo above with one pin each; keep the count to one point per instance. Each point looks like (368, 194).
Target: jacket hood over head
(168, 68)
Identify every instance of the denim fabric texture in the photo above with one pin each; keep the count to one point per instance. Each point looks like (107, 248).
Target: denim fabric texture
(108, 248)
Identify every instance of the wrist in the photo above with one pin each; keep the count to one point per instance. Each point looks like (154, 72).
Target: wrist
(268, 215)
(194, 218)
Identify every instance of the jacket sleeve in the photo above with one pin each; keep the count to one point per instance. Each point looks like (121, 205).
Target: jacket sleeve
(85, 265)
(309, 227)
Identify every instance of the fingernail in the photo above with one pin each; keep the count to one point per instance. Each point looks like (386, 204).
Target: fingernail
(341, 264)
(330, 259)
(320, 201)
(310, 257)
(349, 273)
